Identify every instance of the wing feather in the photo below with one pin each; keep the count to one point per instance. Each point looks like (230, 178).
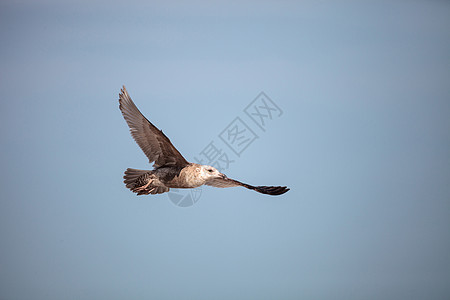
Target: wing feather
(155, 144)
(224, 182)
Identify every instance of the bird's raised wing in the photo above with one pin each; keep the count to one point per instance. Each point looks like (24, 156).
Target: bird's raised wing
(155, 144)
(224, 182)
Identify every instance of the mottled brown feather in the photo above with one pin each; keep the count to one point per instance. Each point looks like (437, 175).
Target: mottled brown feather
(155, 144)
(171, 170)
(225, 182)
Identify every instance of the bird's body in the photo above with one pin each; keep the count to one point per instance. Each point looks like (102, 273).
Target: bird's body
(171, 169)
(163, 178)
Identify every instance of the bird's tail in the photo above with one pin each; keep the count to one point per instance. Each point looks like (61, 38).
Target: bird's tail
(132, 175)
(140, 182)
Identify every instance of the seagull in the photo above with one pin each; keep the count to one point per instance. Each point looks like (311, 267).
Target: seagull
(170, 168)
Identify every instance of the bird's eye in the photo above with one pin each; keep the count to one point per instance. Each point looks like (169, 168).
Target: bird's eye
(210, 170)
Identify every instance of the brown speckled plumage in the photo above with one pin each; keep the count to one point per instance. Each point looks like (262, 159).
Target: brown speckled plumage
(171, 169)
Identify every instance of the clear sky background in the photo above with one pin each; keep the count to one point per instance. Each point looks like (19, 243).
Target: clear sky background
(363, 143)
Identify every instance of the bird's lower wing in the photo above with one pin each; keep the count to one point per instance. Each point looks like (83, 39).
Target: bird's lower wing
(228, 182)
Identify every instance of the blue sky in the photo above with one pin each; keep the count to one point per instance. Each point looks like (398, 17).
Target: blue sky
(363, 143)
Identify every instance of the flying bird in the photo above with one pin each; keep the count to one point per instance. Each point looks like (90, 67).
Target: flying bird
(170, 168)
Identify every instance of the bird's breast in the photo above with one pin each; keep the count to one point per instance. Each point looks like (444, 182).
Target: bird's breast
(186, 177)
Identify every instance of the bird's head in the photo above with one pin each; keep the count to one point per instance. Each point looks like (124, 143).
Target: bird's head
(208, 172)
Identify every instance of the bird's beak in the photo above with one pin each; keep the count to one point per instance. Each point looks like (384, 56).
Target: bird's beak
(223, 176)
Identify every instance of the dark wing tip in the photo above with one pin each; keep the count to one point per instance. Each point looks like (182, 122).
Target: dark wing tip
(272, 190)
(123, 95)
